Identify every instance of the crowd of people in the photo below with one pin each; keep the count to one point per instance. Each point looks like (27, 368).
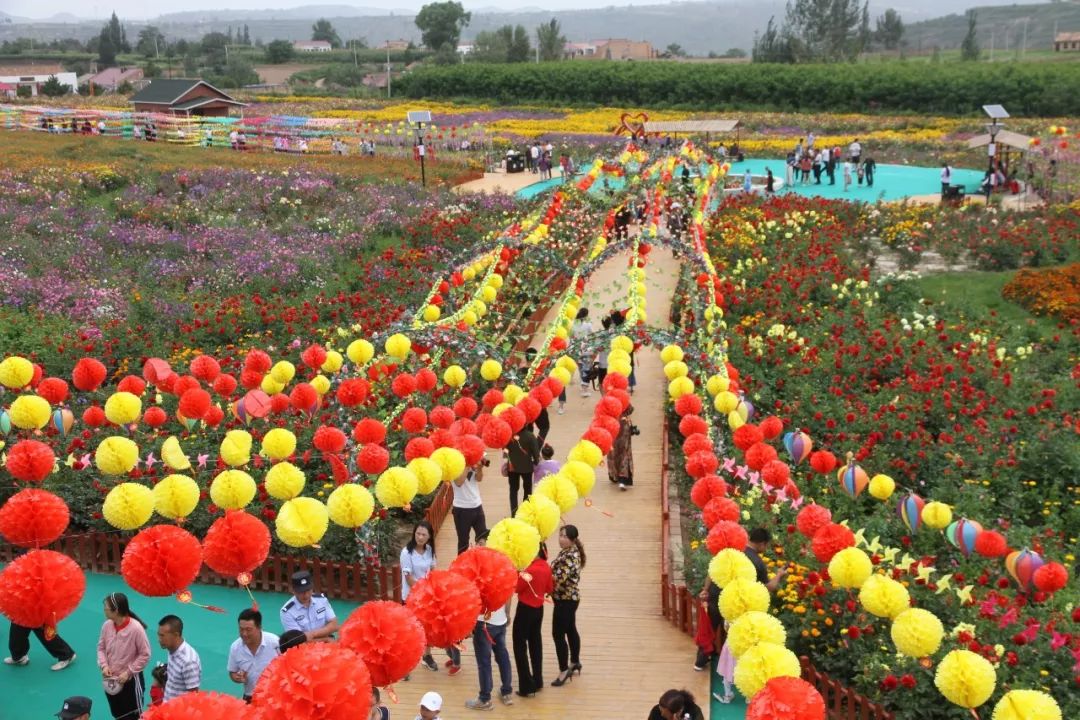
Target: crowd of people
(806, 160)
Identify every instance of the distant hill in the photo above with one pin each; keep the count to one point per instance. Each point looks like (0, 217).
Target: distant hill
(997, 25)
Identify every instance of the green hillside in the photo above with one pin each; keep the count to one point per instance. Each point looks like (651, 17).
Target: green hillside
(1000, 25)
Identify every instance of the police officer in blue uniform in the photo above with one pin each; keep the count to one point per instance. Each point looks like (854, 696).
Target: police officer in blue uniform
(307, 611)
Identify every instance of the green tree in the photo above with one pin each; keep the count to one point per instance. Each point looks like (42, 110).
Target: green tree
(674, 50)
(323, 30)
(890, 30)
(441, 23)
(551, 41)
(106, 50)
(775, 45)
(520, 48)
(492, 45)
(862, 40)
(151, 42)
(117, 34)
(822, 30)
(279, 51)
(54, 88)
(246, 37)
(969, 49)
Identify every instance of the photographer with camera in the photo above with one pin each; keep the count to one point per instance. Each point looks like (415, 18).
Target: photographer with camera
(468, 508)
(621, 459)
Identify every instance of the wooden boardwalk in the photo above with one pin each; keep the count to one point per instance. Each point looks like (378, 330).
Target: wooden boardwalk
(630, 653)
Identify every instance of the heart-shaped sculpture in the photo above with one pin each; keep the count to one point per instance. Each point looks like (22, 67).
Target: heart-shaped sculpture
(632, 125)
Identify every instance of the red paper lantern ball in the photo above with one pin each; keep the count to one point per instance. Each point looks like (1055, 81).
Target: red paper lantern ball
(258, 361)
(250, 379)
(706, 488)
(167, 382)
(279, 403)
(622, 396)
(403, 385)
(155, 417)
(514, 417)
(812, 518)
(205, 367)
(529, 408)
(30, 461)
(214, 416)
(161, 560)
(464, 426)
(53, 389)
(200, 706)
(472, 447)
(702, 463)
(328, 438)
(609, 406)
(373, 459)
(687, 405)
(314, 356)
(314, 681)
(822, 461)
(831, 539)
(693, 424)
(496, 433)
(304, 397)
(225, 385)
(369, 430)
(776, 474)
(446, 604)
(541, 395)
(759, 455)
(696, 443)
(492, 398)
(387, 637)
(183, 384)
(747, 436)
(1049, 578)
(771, 427)
(236, 543)
(726, 534)
(608, 423)
(426, 380)
(441, 416)
(414, 420)
(786, 698)
(88, 374)
(33, 518)
(94, 416)
(132, 384)
(194, 403)
(40, 588)
(554, 386)
(599, 437)
(991, 544)
(465, 407)
(491, 571)
(419, 447)
(720, 508)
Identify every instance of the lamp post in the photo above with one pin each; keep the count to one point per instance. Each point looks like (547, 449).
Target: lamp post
(418, 118)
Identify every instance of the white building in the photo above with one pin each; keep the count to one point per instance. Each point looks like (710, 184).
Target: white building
(34, 82)
(312, 46)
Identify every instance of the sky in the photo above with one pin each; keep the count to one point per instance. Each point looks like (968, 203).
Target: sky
(140, 9)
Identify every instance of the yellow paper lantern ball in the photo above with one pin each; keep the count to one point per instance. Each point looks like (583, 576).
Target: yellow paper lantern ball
(283, 372)
(428, 474)
(516, 539)
(479, 307)
(882, 487)
(236, 448)
(729, 565)
(753, 628)
(432, 313)
(489, 293)
(495, 280)
(735, 420)
(850, 568)
(30, 412)
(360, 351)
(567, 362)
(620, 367)
(581, 474)
(16, 372)
(676, 369)
(500, 408)
(936, 515)
(469, 274)
(561, 374)
(469, 317)
(232, 489)
(621, 342)
(742, 595)
(284, 481)
(490, 370)
(884, 597)
(717, 384)
(541, 512)
(587, 452)
(618, 355)
(671, 353)
(1026, 705)
(321, 384)
(680, 386)
(333, 361)
(560, 489)
(398, 346)
(761, 663)
(450, 461)
(725, 402)
(270, 386)
(396, 487)
(513, 393)
(176, 496)
(123, 408)
(917, 633)
(302, 522)
(279, 444)
(965, 678)
(455, 376)
(350, 506)
(128, 506)
(173, 455)
(116, 455)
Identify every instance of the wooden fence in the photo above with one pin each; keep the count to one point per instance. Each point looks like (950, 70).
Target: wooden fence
(842, 703)
(678, 604)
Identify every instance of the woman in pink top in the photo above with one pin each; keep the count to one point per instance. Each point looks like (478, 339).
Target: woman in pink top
(123, 651)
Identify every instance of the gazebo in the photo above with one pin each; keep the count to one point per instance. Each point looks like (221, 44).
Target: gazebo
(694, 127)
(1010, 147)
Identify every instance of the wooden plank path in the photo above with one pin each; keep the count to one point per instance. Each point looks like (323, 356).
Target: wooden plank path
(630, 653)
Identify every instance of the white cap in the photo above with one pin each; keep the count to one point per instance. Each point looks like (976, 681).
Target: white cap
(431, 701)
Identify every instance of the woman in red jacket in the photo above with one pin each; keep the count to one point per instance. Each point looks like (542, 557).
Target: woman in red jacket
(533, 584)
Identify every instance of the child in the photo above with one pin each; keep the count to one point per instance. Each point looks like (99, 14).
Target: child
(547, 466)
(430, 705)
(378, 710)
(725, 668)
(157, 687)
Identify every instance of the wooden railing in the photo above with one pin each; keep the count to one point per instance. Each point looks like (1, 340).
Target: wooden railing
(842, 703)
(677, 603)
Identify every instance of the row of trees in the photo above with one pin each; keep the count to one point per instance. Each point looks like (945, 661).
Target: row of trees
(441, 24)
(826, 31)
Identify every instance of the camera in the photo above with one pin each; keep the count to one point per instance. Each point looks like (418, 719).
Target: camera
(485, 462)
(634, 430)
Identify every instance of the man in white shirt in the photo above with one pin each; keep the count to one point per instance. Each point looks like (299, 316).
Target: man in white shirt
(184, 673)
(468, 507)
(855, 151)
(251, 652)
(534, 155)
(489, 636)
(946, 178)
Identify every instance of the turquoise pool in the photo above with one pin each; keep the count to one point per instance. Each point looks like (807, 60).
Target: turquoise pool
(891, 182)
